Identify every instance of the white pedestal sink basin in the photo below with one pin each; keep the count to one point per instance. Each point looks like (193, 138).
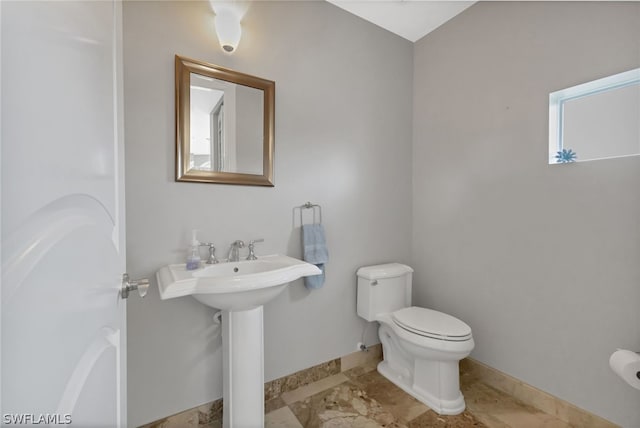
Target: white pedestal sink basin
(239, 289)
(234, 286)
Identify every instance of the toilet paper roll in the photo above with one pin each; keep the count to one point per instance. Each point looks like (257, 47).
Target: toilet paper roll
(626, 364)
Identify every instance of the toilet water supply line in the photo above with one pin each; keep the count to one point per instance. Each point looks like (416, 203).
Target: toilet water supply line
(362, 346)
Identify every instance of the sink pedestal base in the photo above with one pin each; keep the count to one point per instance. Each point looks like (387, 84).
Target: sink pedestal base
(243, 368)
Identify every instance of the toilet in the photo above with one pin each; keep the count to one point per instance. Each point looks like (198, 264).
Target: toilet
(421, 347)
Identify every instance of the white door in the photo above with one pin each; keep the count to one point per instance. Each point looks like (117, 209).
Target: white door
(63, 323)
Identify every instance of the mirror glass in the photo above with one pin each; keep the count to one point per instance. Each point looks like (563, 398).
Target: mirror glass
(596, 120)
(224, 125)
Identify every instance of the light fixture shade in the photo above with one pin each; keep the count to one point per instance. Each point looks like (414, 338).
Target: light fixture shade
(228, 30)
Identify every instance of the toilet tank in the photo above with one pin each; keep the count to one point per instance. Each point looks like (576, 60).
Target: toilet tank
(382, 289)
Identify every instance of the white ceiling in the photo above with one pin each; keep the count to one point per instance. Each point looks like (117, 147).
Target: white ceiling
(411, 19)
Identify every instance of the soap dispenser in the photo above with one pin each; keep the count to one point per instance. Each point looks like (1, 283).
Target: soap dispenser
(193, 254)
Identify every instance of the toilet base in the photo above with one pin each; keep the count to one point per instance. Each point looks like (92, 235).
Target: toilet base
(453, 406)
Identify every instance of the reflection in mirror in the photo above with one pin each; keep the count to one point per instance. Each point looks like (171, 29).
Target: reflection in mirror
(207, 124)
(224, 125)
(596, 120)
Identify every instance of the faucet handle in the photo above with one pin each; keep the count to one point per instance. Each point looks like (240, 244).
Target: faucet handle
(212, 252)
(252, 254)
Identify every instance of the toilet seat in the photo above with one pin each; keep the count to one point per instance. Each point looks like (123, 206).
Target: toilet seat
(432, 324)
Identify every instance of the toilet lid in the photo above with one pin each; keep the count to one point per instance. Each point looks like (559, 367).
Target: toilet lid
(433, 324)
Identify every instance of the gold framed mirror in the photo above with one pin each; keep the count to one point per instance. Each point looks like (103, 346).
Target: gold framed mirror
(224, 125)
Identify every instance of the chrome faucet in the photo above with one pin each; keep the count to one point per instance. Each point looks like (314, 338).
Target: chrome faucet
(234, 251)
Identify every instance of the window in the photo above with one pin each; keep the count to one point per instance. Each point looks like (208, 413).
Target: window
(596, 120)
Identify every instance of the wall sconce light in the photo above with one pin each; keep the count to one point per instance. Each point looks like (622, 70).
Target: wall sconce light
(228, 29)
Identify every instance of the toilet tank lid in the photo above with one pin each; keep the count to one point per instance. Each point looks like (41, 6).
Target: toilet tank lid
(388, 270)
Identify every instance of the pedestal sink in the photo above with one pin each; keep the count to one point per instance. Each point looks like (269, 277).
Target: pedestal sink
(239, 289)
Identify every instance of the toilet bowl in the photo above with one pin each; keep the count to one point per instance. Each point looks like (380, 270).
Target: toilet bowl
(423, 365)
(421, 347)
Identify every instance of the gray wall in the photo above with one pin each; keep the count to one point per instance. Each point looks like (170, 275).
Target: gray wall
(543, 261)
(343, 140)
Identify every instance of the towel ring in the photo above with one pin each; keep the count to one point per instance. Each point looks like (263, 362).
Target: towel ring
(312, 207)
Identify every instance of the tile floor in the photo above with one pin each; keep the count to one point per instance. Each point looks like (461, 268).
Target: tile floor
(361, 397)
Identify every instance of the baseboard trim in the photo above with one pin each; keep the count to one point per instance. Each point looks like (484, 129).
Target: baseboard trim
(543, 401)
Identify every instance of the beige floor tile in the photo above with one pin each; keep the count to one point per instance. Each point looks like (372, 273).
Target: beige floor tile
(431, 419)
(525, 419)
(273, 404)
(490, 420)
(345, 405)
(282, 418)
(313, 388)
(403, 406)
